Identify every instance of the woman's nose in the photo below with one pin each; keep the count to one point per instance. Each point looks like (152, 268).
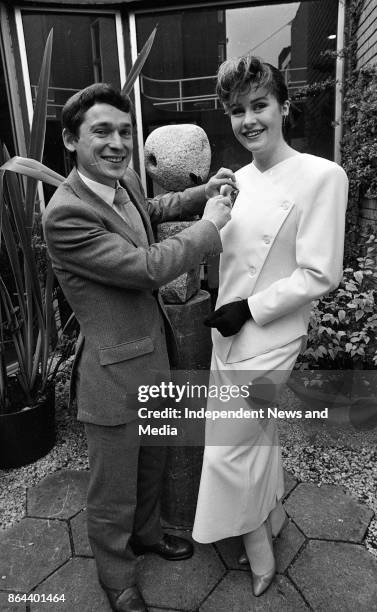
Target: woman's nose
(249, 117)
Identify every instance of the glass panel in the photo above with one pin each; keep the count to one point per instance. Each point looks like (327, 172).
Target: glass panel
(84, 51)
(179, 76)
(6, 132)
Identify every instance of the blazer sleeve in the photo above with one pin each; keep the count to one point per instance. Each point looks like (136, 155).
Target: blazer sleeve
(80, 243)
(319, 251)
(172, 206)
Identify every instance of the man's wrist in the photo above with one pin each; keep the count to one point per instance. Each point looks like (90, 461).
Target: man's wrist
(213, 223)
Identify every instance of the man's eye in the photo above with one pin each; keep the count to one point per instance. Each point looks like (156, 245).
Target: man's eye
(100, 132)
(126, 134)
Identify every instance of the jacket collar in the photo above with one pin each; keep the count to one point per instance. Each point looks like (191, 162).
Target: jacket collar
(90, 197)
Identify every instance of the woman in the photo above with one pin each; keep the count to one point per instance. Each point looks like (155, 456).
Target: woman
(282, 249)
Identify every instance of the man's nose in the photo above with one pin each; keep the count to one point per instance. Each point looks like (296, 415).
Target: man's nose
(116, 140)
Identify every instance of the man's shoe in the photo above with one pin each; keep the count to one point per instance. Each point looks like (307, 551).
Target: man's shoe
(170, 547)
(128, 600)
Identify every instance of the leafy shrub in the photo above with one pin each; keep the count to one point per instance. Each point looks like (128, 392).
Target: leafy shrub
(343, 326)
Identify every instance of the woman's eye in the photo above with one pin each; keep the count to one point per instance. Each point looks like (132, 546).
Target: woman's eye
(260, 106)
(237, 110)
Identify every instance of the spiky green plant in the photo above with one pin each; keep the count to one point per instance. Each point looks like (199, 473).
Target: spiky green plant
(26, 310)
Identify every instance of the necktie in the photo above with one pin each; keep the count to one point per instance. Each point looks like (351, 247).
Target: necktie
(127, 210)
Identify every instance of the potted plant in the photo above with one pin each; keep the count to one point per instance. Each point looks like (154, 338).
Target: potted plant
(338, 367)
(26, 306)
(27, 313)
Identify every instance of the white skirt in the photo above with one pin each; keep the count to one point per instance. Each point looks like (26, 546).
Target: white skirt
(242, 474)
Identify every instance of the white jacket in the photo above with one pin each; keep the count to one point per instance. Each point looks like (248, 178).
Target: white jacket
(282, 249)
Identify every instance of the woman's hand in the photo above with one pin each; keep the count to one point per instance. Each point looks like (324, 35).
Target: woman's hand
(223, 177)
(229, 318)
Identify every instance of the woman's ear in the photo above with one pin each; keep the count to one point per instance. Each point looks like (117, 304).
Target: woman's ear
(285, 108)
(70, 140)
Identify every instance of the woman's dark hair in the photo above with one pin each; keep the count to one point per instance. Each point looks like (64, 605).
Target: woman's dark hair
(237, 75)
(99, 93)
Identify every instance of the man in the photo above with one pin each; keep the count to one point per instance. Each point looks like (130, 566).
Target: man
(100, 240)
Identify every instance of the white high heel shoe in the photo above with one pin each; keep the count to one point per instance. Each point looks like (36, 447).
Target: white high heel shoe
(276, 528)
(261, 582)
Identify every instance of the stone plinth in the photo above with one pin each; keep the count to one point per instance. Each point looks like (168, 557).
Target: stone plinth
(185, 286)
(193, 337)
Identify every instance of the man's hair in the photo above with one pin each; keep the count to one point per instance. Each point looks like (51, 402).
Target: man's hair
(236, 76)
(99, 93)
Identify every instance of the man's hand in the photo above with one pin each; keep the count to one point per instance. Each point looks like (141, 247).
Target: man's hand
(229, 319)
(224, 176)
(217, 210)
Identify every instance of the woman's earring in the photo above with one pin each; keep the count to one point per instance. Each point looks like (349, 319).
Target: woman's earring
(284, 120)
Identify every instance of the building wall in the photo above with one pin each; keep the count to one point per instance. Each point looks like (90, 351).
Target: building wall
(367, 35)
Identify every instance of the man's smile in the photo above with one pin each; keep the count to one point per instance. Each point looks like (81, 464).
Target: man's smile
(113, 159)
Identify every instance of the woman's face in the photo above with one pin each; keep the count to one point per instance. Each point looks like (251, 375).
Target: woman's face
(256, 118)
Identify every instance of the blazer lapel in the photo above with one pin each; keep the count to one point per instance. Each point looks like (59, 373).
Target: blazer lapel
(91, 198)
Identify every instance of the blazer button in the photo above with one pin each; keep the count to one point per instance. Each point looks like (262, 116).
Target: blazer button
(252, 271)
(285, 205)
(266, 239)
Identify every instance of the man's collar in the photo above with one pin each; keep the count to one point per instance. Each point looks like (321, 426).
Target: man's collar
(105, 192)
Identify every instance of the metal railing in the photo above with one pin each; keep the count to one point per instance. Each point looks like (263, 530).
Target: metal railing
(157, 90)
(193, 93)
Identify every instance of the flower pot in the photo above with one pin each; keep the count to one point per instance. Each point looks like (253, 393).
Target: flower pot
(29, 434)
(343, 393)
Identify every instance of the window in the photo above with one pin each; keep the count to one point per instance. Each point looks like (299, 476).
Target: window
(178, 78)
(84, 51)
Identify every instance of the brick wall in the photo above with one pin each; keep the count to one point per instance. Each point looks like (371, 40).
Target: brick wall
(367, 35)
(368, 215)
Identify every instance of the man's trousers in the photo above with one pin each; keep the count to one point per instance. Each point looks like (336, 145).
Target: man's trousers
(123, 499)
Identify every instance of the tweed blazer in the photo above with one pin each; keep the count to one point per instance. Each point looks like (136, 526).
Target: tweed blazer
(282, 249)
(111, 282)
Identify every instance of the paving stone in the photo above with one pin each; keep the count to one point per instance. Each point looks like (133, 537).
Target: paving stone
(286, 547)
(289, 483)
(229, 550)
(59, 495)
(79, 530)
(78, 581)
(183, 584)
(336, 576)
(234, 594)
(30, 551)
(328, 513)
(7, 606)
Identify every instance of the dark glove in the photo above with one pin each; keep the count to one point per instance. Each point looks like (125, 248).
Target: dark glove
(228, 319)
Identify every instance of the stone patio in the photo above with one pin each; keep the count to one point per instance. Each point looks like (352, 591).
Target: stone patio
(322, 562)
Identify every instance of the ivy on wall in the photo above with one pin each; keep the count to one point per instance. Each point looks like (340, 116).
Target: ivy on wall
(359, 141)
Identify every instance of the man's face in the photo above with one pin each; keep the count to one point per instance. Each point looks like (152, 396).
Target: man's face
(103, 145)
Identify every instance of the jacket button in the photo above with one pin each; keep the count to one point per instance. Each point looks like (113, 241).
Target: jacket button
(266, 239)
(252, 271)
(285, 205)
